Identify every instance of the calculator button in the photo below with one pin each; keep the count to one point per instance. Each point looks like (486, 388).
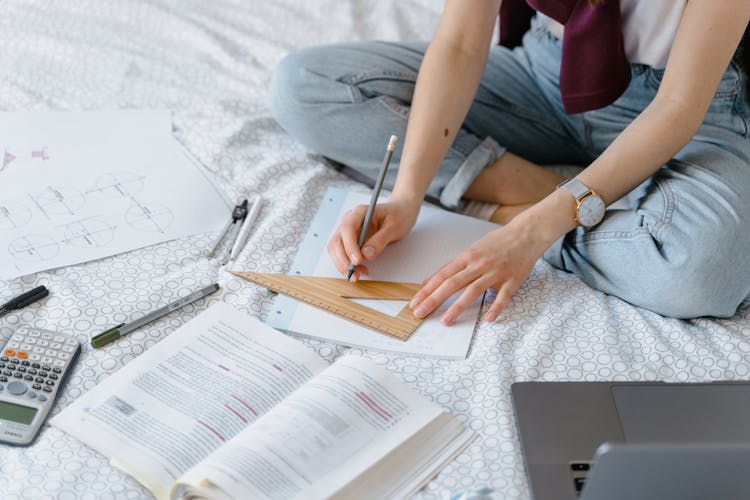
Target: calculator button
(50, 383)
(46, 336)
(32, 371)
(18, 375)
(46, 360)
(3, 379)
(2, 365)
(43, 343)
(31, 341)
(13, 345)
(17, 388)
(63, 355)
(4, 358)
(47, 388)
(36, 386)
(25, 347)
(7, 373)
(58, 362)
(50, 353)
(71, 341)
(32, 333)
(59, 338)
(29, 378)
(14, 361)
(25, 363)
(46, 368)
(53, 376)
(42, 398)
(55, 345)
(22, 355)
(57, 370)
(69, 348)
(38, 350)
(42, 374)
(21, 369)
(35, 357)
(39, 379)
(9, 352)
(11, 367)
(36, 365)
(32, 395)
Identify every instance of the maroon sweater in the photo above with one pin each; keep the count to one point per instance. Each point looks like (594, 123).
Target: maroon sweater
(594, 71)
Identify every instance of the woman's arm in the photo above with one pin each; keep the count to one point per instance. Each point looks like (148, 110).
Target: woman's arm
(447, 82)
(707, 38)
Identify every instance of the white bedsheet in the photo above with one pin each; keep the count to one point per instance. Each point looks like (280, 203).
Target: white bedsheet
(210, 62)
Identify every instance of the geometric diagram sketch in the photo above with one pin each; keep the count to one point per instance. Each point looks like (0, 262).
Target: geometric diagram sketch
(61, 200)
(13, 215)
(8, 157)
(88, 233)
(33, 248)
(150, 217)
(119, 184)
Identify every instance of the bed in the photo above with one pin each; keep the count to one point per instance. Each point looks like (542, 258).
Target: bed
(210, 64)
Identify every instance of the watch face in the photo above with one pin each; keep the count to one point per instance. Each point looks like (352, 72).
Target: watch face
(591, 211)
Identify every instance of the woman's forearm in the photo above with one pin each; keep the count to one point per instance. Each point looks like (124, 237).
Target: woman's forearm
(447, 82)
(660, 131)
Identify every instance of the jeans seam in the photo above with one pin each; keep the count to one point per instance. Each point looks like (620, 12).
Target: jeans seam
(739, 96)
(386, 101)
(359, 78)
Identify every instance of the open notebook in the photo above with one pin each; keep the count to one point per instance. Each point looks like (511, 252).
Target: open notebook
(227, 407)
(437, 237)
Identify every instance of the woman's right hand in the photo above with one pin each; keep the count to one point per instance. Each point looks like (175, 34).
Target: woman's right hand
(390, 222)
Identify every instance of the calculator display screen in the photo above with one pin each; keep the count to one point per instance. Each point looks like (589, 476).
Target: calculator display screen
(17, 413)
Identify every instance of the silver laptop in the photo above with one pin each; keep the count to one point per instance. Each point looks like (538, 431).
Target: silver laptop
(675, 429)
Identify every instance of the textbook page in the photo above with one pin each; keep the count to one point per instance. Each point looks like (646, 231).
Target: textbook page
(163, 412)
(437, 237)
(324, 435)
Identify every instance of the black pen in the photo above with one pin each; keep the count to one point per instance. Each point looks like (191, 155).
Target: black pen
(24, 299)
(374, 200)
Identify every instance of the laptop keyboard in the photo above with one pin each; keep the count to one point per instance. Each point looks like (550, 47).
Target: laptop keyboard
(579, 471)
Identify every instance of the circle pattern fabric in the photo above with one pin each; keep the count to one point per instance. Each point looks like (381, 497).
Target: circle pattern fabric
(210, 63)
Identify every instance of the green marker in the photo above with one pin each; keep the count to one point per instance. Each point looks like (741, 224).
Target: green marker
(118, 331)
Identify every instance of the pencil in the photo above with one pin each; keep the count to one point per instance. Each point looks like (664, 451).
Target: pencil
(374, 199)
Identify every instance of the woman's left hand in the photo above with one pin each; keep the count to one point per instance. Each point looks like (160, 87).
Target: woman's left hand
(502, 260)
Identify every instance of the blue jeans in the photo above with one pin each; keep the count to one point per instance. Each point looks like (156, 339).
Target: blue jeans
(677, 245)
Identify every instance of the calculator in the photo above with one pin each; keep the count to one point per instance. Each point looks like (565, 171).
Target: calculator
(34, 366)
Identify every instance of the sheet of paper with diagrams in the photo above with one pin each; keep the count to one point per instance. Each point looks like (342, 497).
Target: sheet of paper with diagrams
(76, 187)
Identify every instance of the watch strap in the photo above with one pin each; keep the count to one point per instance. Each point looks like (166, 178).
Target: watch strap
(577, 188)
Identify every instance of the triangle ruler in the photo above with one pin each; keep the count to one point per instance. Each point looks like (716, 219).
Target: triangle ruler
(332, 294)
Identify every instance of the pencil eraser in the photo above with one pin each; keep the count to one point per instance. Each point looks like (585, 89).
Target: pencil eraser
(392, 143)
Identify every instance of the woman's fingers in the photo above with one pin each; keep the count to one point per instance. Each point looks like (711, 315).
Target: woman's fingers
(351, 225)
(470, 294)
(446, 288)
(337, 253)
(432, 284)
(502, 299)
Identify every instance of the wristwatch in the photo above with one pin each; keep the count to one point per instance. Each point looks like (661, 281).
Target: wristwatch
(590, 207)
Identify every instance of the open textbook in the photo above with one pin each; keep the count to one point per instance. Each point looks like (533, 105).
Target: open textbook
(227, 407)
(437, 237)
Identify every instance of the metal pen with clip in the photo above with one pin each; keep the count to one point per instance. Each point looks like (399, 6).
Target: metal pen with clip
(118, 331)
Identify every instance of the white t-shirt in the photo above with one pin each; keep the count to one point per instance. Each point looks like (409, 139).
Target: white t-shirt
(649, 27)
